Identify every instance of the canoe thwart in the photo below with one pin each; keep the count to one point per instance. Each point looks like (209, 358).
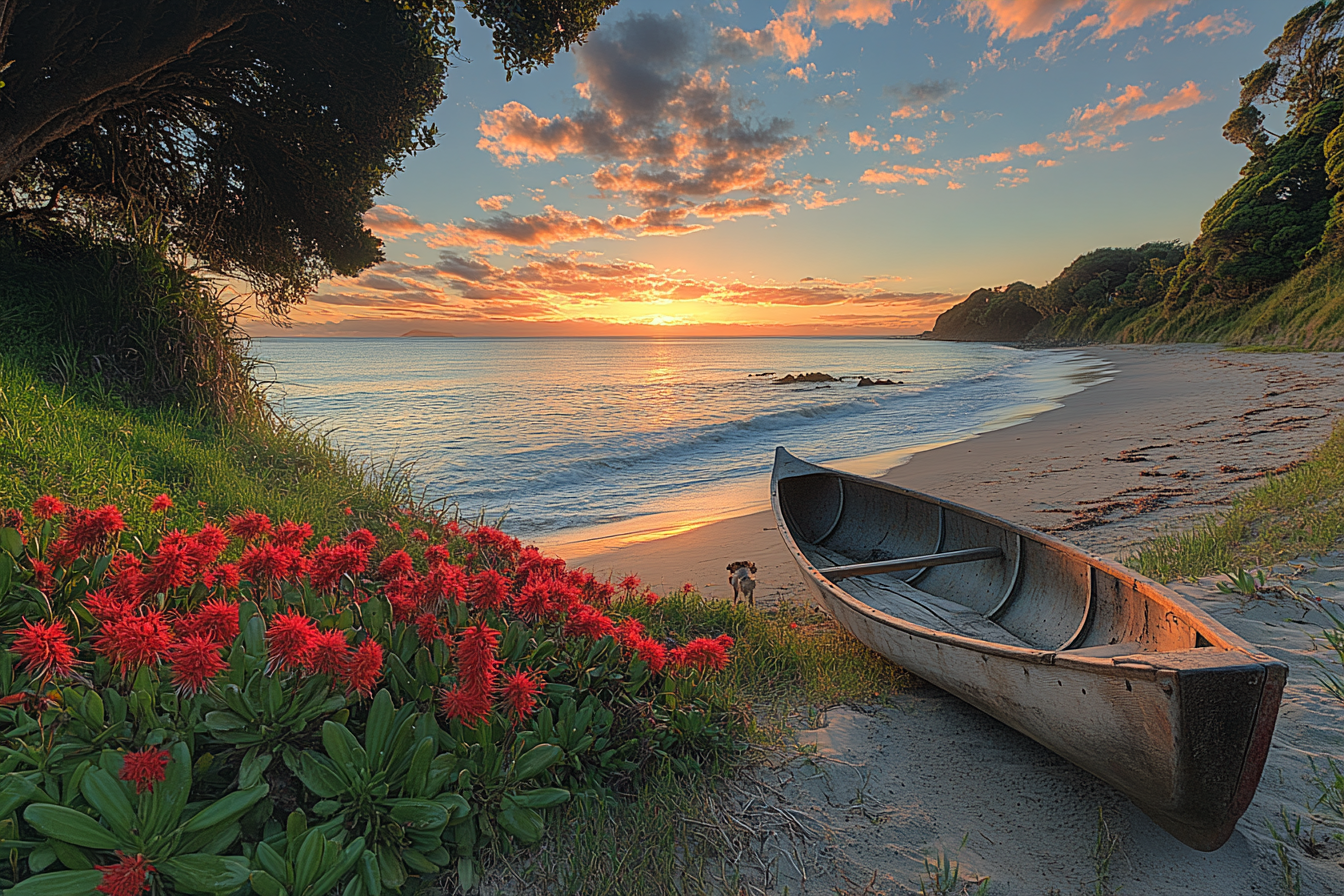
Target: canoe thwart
(918, 562)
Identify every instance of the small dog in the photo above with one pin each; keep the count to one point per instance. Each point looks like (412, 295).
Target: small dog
(742, 576)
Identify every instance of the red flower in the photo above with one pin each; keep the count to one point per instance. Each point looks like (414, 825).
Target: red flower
(228, 575)
(446, 582)
(129, 877)
(363, 668)
(249, 525)
(687, 587)
(437, 553)
(329, 654)
(85, 529)
(10, 518)
(144, 768)
(494, 543)
(48, 506)
(44, 649)
(128, 579)
(134, 640)
(703, 653)
(292, 535)
(349, 512)
(396, 565)
(652, 653)
(630, 584)
(172, 566)
(394, 526)
(216, 619)
(469, 706)
(42, 576)
(651, 598)
(329, 562)
(161, 504)
(487, 589)
(207, 544)
(266, 563)
(476, 653)
(587, 622)
(520, 692)
(362, 539)
(289, 638)
(195, 660)
(629, 632)
(427, 628)
(103, 605)
(420, 535)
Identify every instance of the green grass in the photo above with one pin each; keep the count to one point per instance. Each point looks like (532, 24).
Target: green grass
(91, 453)
(1294, 514)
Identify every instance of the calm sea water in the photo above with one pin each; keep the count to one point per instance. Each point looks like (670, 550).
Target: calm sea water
(575, 439)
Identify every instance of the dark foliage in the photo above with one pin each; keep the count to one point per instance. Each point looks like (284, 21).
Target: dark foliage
(1115, 278)
(1002, 314)
(256, 131)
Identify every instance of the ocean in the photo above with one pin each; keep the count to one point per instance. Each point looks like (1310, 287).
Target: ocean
(615, 440)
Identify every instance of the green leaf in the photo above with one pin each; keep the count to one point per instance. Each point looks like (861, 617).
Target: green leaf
(541, 798)
(211, 875)
(417, 776)
(535, 761)
(369, 873)
(419, 814)
(11, 542)
(271, 861)
(416, 861)
(252, 768)
(61, 823)
(318, 776)
(520, 821)
(390, 867)
(466, 874)
(344, 862)
(59, 883)
(345, 751)
(107, 798)
(71, 856)
(457, 806)
(169, 797)
(308, 860)
(226, 809)
(378, 728)
(264, 884)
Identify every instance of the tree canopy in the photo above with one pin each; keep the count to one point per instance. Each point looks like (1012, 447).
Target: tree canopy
(254, 133)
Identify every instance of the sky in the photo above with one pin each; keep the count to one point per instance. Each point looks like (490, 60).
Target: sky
(815, 167)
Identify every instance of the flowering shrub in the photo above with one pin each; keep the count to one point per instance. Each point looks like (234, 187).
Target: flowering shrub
(241, 710)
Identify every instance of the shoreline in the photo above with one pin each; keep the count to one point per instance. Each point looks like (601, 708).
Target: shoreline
(1079, 372)
(1175, 432)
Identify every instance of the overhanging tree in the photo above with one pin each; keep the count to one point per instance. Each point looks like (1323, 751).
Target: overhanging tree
(255, 131)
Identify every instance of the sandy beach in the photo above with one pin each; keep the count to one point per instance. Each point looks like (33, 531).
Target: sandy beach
(1171, 436)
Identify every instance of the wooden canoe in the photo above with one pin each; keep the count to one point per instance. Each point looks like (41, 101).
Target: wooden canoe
(1112, 671)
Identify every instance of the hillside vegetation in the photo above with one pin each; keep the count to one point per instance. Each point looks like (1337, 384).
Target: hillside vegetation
(1265, 267)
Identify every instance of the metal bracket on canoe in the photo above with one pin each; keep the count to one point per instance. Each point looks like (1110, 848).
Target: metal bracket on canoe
(937, 548)
(895, 565)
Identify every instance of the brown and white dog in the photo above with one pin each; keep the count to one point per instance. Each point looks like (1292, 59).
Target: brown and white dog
(742, 576)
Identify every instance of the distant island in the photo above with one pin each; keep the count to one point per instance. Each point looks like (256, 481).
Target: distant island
(420, 334)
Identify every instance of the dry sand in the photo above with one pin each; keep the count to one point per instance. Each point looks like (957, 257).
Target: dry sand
(873, 791)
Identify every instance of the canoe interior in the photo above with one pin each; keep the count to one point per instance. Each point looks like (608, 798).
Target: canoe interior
(1039, 594)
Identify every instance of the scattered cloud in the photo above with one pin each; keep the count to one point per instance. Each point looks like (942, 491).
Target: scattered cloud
(1093, 126)
(1020, 19)
(493, 203)
(792, 34)
(1213, 28)
(392, 222)
(1032, 149)
(865, 139)
(1047, 163)
(953, 185)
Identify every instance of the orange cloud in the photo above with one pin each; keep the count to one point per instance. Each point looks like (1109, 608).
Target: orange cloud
(1032, 149)
(854, 12)
(994, 157)
(1019, 19)
(902, 174)
(728, 209)
(1047, 163)
(866, 139)
(493, 203)
(392, 222)
(1214, 28)
(1092, 126)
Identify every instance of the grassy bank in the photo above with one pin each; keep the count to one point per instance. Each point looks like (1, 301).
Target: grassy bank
(1294, 514)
